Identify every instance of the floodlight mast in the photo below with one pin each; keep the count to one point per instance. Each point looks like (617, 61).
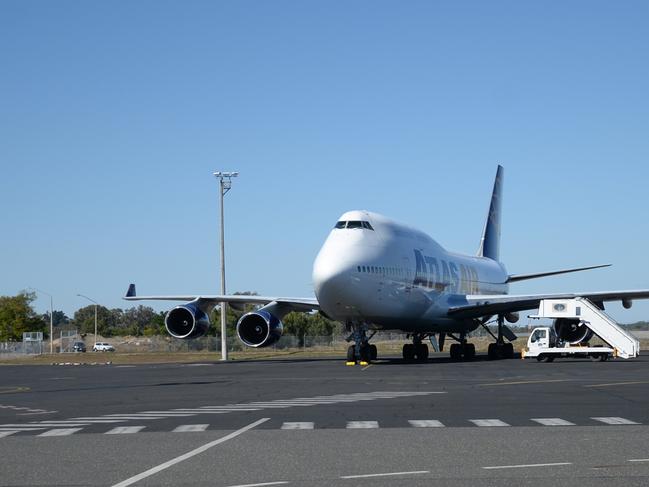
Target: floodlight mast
(225, 184)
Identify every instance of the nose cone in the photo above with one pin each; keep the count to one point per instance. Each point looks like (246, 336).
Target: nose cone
(336, 282)
(331, 277)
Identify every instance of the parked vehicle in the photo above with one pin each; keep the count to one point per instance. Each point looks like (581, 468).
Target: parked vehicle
(103, 347)
(78, 347)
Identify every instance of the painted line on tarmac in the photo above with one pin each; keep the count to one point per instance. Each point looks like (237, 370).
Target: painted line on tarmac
(261, 485)
(638, 460)
(387, 474)
(13, 390)
(367, 367)
(613, 384)
(530, 465)
(523, 382)
(190, 454)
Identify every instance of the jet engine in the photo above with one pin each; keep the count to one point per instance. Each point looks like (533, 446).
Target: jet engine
(259, 328)
(187, 321)
(572, 331)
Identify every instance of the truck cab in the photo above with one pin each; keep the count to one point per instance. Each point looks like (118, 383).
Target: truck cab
(542, 337)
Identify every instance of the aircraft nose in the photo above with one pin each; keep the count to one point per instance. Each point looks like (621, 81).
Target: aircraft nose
(330, 279)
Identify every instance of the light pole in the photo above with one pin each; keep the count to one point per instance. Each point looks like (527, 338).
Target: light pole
(225, 183)
(96, 303)
(51, 320)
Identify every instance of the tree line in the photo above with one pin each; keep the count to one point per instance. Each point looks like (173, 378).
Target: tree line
(17, 316)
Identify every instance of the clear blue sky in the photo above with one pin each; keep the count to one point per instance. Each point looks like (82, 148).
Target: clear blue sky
(113, 116)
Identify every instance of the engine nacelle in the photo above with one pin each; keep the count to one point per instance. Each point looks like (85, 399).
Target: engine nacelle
(259, 328)
(572, 331)
(187, 321)
(512, 317)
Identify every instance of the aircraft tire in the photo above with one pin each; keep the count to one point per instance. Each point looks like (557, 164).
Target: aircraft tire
(469, 351)
(408, 351)
(508, 350)
(455, 351)
(373, 352)
(422, 352)
(492, 351)
(351, 354)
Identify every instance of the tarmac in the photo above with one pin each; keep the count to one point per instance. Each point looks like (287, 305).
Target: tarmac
(319, 422)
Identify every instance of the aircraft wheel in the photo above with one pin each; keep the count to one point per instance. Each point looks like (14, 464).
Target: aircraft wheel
(455, 351)
(508, 350)
(366, 352)
(351, 354)
(422, 352)
(408, 351)
(492, 351)
(373, 352)
(469, 351)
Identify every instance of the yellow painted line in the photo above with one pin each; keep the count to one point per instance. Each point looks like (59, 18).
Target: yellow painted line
(13, 390)
(611, 384)
(523, 382)
(365, 368)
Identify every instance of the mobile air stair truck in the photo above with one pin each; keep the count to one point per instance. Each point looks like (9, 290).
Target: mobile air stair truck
(575, 322)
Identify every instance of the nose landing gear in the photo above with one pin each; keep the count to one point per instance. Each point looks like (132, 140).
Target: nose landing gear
(362, 352)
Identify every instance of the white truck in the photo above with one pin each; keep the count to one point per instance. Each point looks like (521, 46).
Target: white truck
(575, 323)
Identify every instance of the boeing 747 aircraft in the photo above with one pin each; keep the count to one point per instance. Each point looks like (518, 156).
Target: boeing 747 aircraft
(374, 274)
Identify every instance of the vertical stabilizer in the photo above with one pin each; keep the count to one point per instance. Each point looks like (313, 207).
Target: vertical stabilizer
(490, 242)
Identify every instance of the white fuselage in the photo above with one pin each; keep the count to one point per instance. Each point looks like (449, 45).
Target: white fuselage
(391, 276)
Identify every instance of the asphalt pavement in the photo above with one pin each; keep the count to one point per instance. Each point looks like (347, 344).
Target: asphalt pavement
(319, 422)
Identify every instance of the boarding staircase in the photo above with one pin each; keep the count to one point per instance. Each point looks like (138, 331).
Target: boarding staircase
(623, 343)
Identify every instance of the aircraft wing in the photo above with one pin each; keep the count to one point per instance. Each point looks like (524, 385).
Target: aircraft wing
(296, 304)
(477, 306)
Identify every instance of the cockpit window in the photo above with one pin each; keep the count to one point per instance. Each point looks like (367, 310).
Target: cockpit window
(353, 224)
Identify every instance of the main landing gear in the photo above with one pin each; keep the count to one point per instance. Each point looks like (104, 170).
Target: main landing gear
(416, 350)
(462, 350)
(500, 349)
(362, 352)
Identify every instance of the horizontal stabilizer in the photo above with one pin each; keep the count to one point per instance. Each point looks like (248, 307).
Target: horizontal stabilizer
(523, 277)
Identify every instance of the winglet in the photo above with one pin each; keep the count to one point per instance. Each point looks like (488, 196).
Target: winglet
(131, 291)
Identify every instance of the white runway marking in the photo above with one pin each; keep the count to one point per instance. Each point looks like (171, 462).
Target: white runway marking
(60, 432)
(638, 460)
(488, 422)
(368, 475)
(125, 430)
(297, 426)
(190, 428)
(531, 465)
(362, 424)
(553, 422)
(614, 420)
(7, 433)
(182, 458)
(260, 485)
(425, 423)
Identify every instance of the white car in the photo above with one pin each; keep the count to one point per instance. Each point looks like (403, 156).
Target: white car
(103, 347)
